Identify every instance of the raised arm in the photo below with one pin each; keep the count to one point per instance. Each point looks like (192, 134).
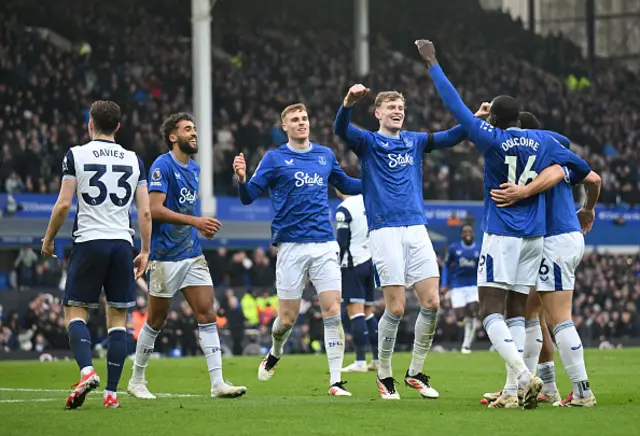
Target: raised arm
(354, 137)
(445, 139)
(479, 131)
(510, 193)
(260, 181)
(453, 136)
(345, 184)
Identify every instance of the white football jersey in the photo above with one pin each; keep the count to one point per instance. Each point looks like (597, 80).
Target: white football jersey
(351, 214)
(107, 176)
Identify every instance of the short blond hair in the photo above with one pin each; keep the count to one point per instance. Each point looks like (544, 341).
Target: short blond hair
(292, 108)
(388, 96)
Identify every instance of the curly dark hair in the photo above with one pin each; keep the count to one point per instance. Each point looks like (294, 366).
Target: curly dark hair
(171, 123)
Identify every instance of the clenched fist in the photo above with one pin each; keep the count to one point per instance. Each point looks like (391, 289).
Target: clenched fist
(427, 50)
(240, 168)
(356, 92)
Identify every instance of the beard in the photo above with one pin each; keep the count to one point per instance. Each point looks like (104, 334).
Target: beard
(185, 146)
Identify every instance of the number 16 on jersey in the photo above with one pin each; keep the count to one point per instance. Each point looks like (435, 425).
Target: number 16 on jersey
(527, 174)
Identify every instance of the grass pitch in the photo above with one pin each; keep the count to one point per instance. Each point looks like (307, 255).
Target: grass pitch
(295, 400)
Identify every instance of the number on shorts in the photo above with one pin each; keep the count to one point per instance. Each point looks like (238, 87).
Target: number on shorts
(544, 268)
(527, 174)
(94, 181)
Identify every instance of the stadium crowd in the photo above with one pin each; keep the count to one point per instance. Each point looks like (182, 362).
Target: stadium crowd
(606, 308)
(261, 65)
(263, 62)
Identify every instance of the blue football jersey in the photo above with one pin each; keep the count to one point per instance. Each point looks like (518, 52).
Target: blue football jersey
(172, 242)
(561, 209)
(392, 170)
(513, 155)
(461, 265)
(298, 184)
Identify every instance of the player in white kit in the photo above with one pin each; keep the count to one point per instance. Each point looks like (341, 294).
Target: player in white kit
(358, 284)
(104, 177)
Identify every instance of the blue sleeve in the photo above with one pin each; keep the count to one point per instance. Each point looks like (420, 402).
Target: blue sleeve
(446, 269)
(345, 184)
(260, 181)
(575, 179)
(68, 166)
(142, 178)
(354, 137)
(343, 230)
(558, 137)
(159, 177)
(480, 132)
(562, 156)
(446, 139)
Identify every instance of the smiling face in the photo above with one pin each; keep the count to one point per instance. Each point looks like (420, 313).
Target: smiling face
(295, 122)
(186, 137)
(390, 110)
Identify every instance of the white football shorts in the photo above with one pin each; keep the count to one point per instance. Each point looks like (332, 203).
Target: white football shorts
(561, 255)
(167, 278)
(460, 297)
(509, 263)
(317, 260)
(403, 256)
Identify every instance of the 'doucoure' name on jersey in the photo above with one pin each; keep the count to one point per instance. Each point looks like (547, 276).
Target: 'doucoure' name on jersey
(298, 186)
(461, 265)
(172, 242)
(512, 155)
(518, 156)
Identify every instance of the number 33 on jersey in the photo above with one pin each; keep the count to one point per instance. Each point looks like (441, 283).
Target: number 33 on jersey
(107, 176)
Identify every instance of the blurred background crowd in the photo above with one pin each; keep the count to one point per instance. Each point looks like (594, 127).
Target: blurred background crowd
(138, 54)
(606, 304)
(275, 56)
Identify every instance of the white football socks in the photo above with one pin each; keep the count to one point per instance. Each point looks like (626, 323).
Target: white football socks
(572, 355)
(210, 344)
(517, 329)
(144, 349)
(547, 372)
(387, 332)
(334, 345)
(533, 344)
(502, 341)
(279, 336)
(424, 331)
(469, 331)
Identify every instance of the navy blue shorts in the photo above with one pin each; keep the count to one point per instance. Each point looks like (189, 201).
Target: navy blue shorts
(357, 284)
(99, 264)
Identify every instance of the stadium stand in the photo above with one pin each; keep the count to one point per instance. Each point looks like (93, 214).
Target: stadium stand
(262, 68)
(49, 80)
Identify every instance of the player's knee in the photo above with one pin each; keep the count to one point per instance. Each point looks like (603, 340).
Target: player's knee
(205, 316)
(430, 301)
(396, 308)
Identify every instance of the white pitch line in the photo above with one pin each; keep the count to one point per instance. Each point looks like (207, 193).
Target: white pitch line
(33, 400)
(167, 395)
